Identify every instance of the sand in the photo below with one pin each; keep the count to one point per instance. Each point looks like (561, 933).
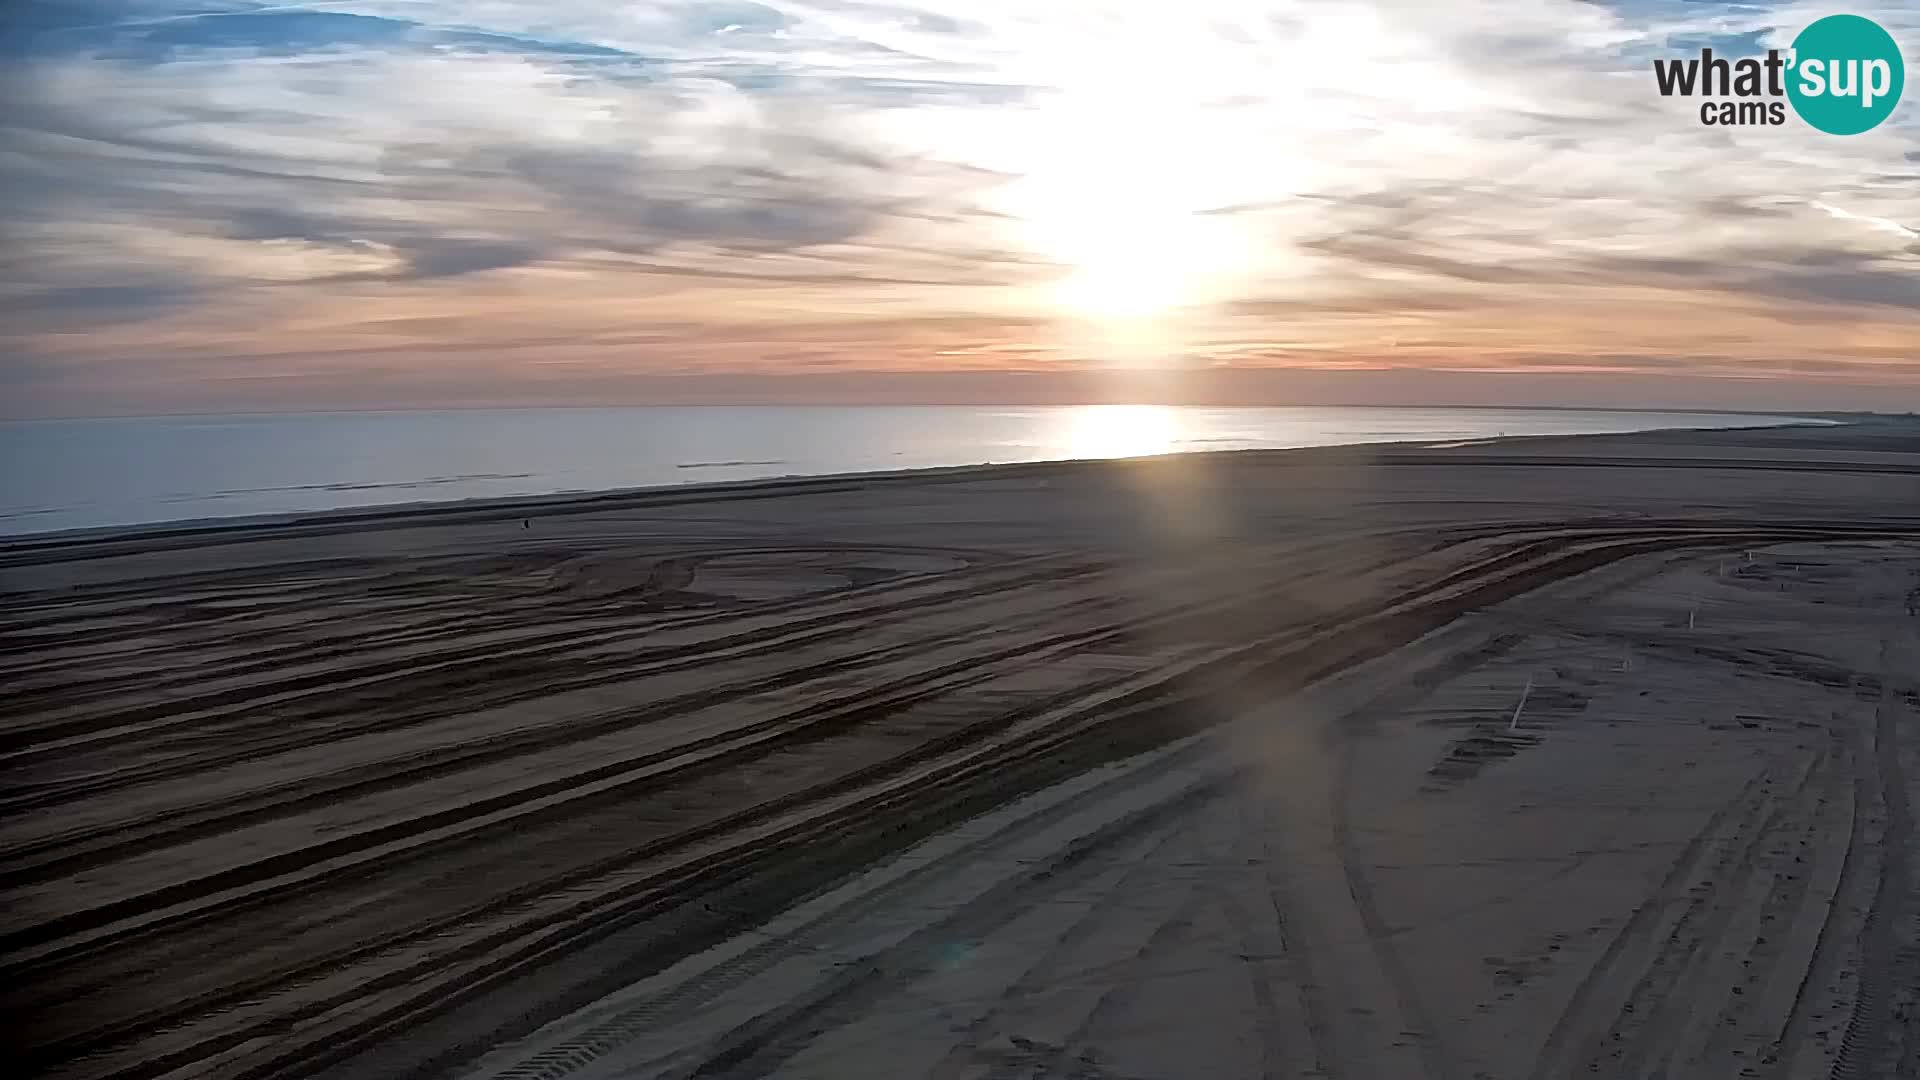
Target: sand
(1532, 758)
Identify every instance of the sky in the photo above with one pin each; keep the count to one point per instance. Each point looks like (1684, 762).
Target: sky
(232, 206)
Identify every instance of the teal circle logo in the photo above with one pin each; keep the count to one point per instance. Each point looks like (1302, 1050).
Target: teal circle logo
(1846, 74)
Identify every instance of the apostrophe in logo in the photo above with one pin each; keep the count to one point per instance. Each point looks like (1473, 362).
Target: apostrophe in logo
(1843, 75)
(1847, 74)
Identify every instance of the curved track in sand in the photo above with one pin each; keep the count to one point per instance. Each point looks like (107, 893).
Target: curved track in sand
(289, 801)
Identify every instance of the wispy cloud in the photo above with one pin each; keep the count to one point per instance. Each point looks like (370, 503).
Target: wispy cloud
(792, 184)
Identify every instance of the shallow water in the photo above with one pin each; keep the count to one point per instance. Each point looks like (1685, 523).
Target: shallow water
(63, 474)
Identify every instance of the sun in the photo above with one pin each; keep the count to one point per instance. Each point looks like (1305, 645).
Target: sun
(1131, 243)
(1122, 198)
(1123, 267)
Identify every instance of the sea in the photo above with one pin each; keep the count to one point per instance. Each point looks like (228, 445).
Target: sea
(73, 474)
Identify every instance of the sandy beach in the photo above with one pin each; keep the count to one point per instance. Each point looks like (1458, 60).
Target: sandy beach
(1508, 760)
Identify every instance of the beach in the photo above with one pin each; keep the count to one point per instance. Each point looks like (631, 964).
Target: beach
(1515, 758)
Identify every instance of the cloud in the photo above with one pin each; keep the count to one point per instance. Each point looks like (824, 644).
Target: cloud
(72, 309)
(1344, 173)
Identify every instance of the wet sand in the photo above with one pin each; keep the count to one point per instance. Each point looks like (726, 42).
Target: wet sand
(1535, 758)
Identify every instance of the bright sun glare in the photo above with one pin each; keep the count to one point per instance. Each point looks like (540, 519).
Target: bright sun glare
(1116, 188)
(1131, 166)
(1133, 246)
(1113, 431)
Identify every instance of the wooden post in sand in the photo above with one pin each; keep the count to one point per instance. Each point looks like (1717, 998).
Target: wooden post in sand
(1691, 613)
(1515, 722)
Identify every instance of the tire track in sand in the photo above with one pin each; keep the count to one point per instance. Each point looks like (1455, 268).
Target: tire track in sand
(1873, 1043)
(760, 1046)
(1597, 1001)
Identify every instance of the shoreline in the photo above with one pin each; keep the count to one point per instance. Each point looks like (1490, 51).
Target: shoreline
(1839, 414)
(383, 516)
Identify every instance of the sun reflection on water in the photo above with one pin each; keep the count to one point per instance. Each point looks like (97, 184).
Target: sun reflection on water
(1114, 431)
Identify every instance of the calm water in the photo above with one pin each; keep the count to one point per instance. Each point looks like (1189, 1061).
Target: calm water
(63, 474)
